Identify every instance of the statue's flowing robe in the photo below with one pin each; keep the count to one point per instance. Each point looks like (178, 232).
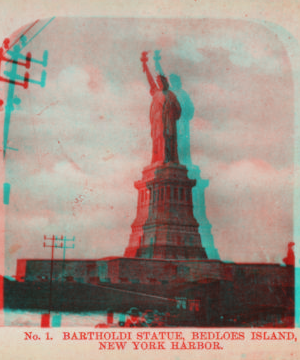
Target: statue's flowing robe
(164, 112)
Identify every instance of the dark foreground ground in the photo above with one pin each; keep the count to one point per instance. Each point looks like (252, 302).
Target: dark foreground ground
(215, 304)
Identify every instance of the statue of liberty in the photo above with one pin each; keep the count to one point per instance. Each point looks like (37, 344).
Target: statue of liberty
(164, 113)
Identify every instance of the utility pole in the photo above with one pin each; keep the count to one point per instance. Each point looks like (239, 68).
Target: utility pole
(53, 245)
(60, 243)
(64, 246)
(16, 59)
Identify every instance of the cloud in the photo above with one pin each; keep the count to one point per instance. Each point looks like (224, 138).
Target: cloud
(248, 45)
(259, 198)
(187, 48)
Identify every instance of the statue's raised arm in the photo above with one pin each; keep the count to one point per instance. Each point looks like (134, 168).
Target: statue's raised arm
(144, 60)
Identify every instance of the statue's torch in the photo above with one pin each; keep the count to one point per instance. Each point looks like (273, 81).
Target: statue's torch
(144, 59)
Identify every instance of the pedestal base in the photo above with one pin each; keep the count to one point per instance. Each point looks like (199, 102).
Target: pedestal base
(165, 226)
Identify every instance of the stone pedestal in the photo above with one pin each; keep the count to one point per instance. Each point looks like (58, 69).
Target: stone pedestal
(165, 227)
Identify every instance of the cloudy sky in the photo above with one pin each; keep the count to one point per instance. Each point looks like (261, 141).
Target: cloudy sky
(84, 138)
